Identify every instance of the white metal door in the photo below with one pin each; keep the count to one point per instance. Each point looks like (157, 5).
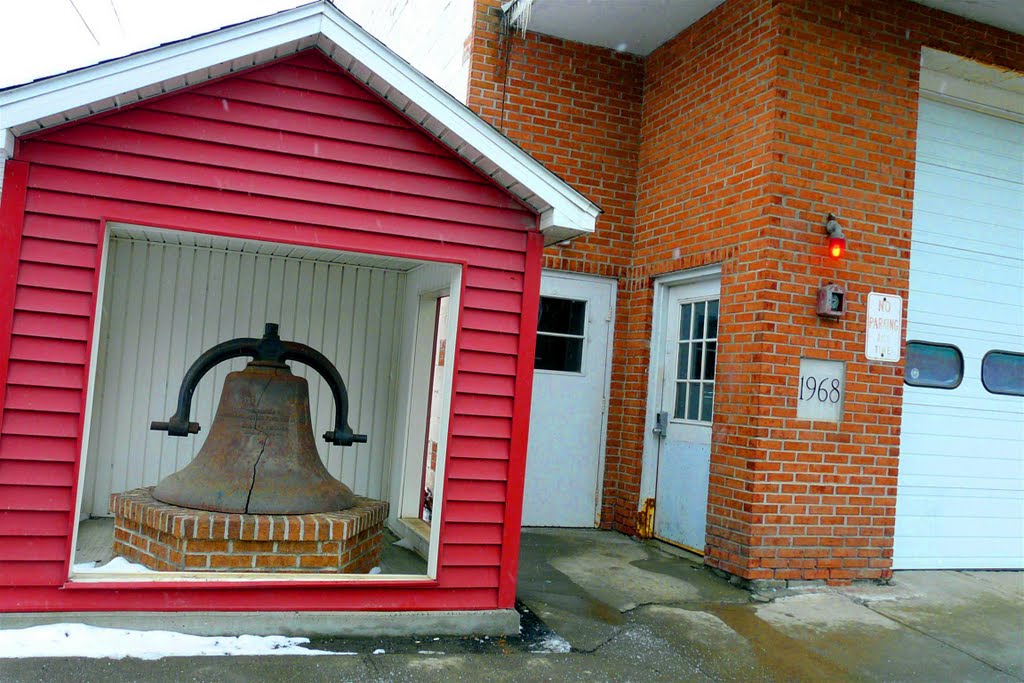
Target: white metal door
(568, 417)
(960, 496)
(687, 401)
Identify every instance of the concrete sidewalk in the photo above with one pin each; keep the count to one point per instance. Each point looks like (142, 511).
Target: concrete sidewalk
(623, 601)
(598, 606)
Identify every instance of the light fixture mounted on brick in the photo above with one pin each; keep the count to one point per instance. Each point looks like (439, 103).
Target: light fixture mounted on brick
(836, 239)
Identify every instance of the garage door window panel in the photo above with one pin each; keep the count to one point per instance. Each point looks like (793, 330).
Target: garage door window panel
(933, 365)
(1002, 372)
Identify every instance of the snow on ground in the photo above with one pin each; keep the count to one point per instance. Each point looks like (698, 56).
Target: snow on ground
(80, 640)
(120, 565)
(552, 644)
(117, 565)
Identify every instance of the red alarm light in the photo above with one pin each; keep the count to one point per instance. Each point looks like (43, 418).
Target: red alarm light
(836, 239)
(836, 247)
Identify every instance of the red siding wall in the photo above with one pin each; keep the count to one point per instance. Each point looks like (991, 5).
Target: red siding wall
(293, 152)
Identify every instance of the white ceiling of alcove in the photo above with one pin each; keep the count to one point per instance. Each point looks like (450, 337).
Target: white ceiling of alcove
(202, 240)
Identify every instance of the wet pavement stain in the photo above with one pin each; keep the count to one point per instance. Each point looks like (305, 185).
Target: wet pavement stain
(786, 657)
(580, 606)
(709, 586)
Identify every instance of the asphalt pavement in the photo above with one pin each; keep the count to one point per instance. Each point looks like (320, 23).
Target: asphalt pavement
(599, 606)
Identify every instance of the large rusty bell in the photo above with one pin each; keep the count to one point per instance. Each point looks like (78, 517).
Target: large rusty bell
(260, 456)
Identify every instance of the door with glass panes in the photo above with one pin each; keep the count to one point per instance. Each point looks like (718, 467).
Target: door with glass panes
(690, 348)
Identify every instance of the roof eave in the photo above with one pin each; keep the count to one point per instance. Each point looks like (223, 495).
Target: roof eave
(69, 91)
(564, 212)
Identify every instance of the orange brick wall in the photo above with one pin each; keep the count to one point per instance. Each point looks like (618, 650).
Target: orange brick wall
(754, 123)
(576, 108)
(708, 131)
(845, 118)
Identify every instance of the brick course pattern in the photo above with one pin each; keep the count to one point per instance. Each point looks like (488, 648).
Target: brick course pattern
(576, 108)
(171, 538)
(748, 128)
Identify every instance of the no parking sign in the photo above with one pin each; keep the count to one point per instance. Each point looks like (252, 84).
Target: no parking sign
(884, 323)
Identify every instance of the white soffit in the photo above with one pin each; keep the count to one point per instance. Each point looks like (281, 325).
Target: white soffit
(564, 212)
(634, 26)
(980, 86)
(641, 26)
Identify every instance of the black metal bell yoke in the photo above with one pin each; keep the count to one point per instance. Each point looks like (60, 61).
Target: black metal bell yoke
(260, 456)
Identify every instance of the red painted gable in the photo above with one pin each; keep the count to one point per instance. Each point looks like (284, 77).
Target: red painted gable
(293, 152)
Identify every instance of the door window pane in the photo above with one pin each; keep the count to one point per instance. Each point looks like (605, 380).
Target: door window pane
(562, 354)
(712, 319)
(561, 316)
(560, 334)
(1002, 372)
(933, 365)
(698, 321)
(697, 358)
(693, 401)
(680, 407)
(707, 400)
(709, 360)
(682, 367)
(684, 321)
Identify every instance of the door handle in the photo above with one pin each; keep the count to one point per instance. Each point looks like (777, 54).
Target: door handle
(661, 424)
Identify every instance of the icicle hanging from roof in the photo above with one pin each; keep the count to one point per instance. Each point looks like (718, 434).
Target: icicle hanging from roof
(515, 15)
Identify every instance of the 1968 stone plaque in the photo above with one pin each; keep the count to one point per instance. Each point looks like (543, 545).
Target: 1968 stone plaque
(822, 390)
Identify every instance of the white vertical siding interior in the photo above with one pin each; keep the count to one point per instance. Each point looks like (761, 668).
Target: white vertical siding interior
(166, 303)
(960, 499)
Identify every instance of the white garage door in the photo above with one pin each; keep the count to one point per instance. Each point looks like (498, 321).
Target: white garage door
(960, 501)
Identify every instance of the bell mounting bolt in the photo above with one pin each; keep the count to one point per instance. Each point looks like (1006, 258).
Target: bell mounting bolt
(268, 349)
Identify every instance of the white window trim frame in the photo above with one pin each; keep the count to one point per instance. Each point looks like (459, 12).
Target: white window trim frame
(94, 577)
(413, 449)
(585, 338)
(713, 380)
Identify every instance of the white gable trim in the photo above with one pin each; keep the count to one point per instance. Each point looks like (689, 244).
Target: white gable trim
(564, 212)
(23, 108)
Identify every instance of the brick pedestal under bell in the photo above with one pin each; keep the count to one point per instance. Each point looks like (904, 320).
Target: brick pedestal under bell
(171, 538)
